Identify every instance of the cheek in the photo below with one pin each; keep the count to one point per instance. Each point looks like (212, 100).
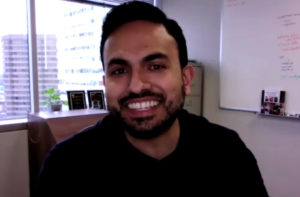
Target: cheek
(172, 88)
(113, 91)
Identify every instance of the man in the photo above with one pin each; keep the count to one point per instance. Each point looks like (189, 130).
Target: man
(148, 144)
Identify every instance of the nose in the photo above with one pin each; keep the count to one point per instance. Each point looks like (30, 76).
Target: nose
(138, 81)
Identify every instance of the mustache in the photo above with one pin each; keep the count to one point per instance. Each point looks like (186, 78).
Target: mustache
(145, 93)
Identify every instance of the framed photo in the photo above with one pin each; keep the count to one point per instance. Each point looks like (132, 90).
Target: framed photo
(96, 99)
(76, 99)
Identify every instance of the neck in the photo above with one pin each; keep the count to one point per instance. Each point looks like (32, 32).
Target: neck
(158, 147)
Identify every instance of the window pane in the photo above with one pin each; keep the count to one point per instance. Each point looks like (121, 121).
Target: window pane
(14, 69)
(68, 44)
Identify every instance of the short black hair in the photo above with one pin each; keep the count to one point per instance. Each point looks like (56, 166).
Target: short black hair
(137, 10)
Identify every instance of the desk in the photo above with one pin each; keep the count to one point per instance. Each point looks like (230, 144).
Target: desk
(48, 128)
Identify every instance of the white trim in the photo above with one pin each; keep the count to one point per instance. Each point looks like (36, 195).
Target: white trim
(13, 125)
(32, 50)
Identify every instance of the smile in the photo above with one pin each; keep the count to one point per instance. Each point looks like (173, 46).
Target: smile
(140, 106)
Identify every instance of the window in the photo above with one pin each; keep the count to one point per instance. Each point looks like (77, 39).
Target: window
(67, 51)
(68, 46)
(14, 69)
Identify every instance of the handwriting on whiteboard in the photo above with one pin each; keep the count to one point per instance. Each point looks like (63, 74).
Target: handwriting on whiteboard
(286, 63)
(290, 76)
(289, 19)
(289, 42)
(234, 3)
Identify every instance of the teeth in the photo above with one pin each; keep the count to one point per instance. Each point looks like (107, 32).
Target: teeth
(142, 105)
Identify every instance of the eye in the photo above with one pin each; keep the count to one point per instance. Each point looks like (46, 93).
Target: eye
(156, 67)
(118, 71)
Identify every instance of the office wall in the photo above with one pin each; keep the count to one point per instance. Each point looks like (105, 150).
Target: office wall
(14, 170)
(275, 142)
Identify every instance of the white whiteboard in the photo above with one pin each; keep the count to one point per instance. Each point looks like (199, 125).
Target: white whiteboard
(260, 49)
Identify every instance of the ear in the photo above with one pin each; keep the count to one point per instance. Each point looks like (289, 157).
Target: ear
(188, 75)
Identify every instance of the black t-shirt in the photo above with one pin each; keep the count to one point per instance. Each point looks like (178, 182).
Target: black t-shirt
(210, 160)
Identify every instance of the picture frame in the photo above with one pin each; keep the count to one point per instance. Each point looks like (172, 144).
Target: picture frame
(76, 99)
(96, 99)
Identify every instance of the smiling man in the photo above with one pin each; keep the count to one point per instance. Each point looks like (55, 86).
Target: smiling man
(148, 144)
(145, 85)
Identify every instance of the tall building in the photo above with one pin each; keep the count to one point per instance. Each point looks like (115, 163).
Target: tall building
(16, 71)
(79, 45)
(68, 57)
(2, 103)
(47, 65)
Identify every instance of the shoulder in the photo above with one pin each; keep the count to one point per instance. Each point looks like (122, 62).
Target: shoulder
(203, 134)
(89, 139)
(219, 142)
(201, 126)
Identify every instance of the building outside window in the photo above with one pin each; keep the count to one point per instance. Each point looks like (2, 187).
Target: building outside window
(68, 45)
(68, 58)
(14, 67)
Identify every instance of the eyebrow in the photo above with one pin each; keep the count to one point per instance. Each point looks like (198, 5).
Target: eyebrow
(154, 56)
(118, 61)
(148, 58)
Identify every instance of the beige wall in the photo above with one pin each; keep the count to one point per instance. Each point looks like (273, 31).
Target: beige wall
(14, 170)
(275, 142)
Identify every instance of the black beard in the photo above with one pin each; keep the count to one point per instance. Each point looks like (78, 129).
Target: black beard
(158, 129)
(154, 132)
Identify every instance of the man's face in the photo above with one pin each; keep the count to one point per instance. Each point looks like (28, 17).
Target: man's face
(144, 83)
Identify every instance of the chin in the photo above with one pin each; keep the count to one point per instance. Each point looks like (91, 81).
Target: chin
(146, 128)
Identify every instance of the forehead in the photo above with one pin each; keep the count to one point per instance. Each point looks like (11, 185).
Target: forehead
(139, 38)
